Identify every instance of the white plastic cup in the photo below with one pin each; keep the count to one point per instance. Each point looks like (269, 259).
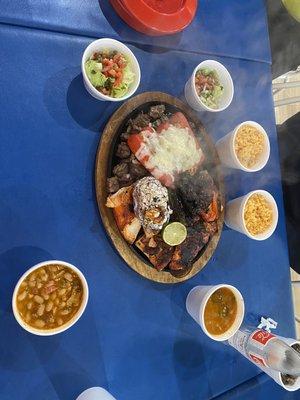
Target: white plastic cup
(234, 214)
(276, 376)
(192, 97)
(67, 325)
(226, 149)
(110, 44)
(95, 393)
(196, 303)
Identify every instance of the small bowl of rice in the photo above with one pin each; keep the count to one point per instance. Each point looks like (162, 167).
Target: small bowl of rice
(255, 214)
(247, 147)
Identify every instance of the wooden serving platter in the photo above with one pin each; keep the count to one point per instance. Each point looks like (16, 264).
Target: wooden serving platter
(104, 160)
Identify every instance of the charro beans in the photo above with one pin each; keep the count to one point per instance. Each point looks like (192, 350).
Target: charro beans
(49, 297)
(38, 299)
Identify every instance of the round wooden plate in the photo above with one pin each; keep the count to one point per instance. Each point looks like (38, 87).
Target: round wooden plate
(103, 167)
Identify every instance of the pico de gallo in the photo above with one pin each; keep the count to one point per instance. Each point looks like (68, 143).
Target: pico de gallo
(110, 73)
(208, 87)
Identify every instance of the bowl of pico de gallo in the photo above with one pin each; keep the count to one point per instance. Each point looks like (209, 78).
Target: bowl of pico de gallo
(110, 70)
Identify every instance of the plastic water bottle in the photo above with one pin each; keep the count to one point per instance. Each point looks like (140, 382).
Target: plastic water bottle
(266, 350)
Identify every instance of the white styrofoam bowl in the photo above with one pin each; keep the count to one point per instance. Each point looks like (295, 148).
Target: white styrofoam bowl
(196, 302)
(67, 325)
(226, 149)
(225, 79)
(110, 44)
(234, 214)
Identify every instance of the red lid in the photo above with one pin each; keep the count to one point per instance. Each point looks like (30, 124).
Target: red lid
(128, 18)
(156, 17)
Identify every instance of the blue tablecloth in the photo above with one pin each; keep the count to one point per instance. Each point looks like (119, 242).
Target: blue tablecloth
(259, 387)
(135, 337)
(234, 28)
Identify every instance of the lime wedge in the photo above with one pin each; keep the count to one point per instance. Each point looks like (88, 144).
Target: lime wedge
(174, 233)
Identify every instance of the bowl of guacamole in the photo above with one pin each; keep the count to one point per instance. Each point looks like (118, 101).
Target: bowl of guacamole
(110, 70)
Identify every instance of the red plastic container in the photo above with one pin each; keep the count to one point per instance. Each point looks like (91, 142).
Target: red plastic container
(156, 17)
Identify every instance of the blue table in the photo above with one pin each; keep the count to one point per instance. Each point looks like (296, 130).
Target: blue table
(135, 337)
(259, 387)
(232, 28)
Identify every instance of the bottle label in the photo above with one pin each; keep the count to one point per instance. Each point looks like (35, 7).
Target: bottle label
(257, 359)
(246, 344)
(261, 337)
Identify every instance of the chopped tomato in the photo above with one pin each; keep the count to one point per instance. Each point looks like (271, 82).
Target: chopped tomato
(112, 73)
(119, 78)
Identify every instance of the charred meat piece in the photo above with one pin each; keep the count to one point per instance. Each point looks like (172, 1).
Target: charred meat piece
(203, 232)
(212, 213)
(124, 136)
(210, 227)
(157, 111)
(123, 151)
(196, 191)
(186, 252)
(112, 184)
(140, 122)
(121, 169)
(125, 180)
(157, 251)
(177, 207)
(163, 118)
(137, 171)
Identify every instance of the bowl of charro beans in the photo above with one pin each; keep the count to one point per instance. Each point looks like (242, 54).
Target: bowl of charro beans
(50, 297)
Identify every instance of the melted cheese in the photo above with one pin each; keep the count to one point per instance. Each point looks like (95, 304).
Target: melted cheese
(172, 150)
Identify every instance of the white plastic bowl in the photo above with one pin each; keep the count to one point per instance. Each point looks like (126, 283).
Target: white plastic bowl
(72, 321)
(110, 44)
(226, 149)
(196, 302)
(225, 79)
(95, 393)
(234, 214)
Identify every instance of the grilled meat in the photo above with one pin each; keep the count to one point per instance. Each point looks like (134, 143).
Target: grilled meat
(128, 223)
(122, 197)
(123, 151)
(140, 122)
(157, 251)
(121, 169)
(112, 184)
(185, 253)
(137, 171)
(197, 191)
(125, 135)
(157, 111)
(210, 227)
(177, 207)
(199, 196)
